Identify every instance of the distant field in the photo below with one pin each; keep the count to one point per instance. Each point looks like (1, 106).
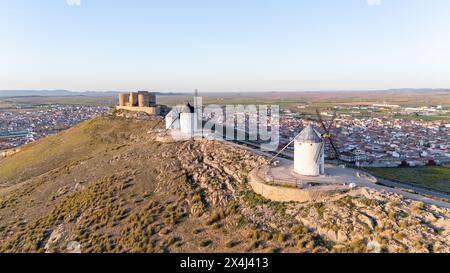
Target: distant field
(73, 100)
(323, 99)
(437, 178)
(5, 105)
(425, 118)
(320, 99)
(310, 101)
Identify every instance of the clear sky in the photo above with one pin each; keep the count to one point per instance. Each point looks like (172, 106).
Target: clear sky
(224, 45)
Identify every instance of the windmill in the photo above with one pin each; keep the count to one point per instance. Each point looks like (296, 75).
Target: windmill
(328, 136)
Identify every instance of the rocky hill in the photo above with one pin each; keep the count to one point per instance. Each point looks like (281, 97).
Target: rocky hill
(108, 186)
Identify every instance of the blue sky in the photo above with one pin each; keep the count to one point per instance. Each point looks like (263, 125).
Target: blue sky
(224, 45)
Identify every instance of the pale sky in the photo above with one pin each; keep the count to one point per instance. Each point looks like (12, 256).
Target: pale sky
(224, 45)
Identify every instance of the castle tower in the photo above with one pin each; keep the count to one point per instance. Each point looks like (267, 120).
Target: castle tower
(123, 99)
(133, 99)
(152, 99)
(309, 155)
(143, 99)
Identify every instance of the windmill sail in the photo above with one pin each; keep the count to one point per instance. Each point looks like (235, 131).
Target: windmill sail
(319, 152)
(327, 136)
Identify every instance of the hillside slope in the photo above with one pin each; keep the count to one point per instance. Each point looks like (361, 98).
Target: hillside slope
(108, 186)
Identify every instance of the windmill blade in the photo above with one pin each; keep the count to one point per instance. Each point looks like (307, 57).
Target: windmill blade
(157, 124)
(170, 127)
(282, 150)
(334, 148)
(331, 122)
(317, 158)
(318, 114)
(321, 120)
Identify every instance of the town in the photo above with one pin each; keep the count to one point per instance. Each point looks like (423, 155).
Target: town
(399, 137)
(382, 141)
(385, 136)
(23, 125)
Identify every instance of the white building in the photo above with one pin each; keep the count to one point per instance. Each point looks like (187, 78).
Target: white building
(187, 120)
(309, 153)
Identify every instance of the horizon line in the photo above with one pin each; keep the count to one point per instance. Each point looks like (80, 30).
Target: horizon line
(237, 91)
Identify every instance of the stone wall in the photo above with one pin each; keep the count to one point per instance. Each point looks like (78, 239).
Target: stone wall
(148, 110)
(286, 194)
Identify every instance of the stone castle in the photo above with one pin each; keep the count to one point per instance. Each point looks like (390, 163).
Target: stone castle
(141, 101)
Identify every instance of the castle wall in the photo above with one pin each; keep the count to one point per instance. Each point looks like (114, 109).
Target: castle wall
(287, 194)
(148, 110)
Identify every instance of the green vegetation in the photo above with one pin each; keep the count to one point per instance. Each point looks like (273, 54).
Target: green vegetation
(205, 243)
(253, 199)
(347, 202)
(437, 178)
(4, 105)
(231, 244)
(320, 208)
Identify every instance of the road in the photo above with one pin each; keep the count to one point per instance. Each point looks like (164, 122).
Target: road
(419, 190)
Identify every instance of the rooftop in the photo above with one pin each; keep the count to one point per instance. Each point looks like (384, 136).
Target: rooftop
(309, 135)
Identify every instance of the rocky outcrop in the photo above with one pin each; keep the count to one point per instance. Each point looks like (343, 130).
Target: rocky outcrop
(394, 222)
(216, 167)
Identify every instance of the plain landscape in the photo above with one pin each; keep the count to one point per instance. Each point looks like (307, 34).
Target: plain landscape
(108, 185)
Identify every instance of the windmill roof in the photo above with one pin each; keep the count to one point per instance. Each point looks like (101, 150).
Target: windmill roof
(189, 109)
(309, 135)
(173, 112)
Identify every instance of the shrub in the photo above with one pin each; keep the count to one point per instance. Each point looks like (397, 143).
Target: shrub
(253, 245)
(165, 231)
(398, 236)
(271, 250)
(196, 231)
(403, 224)
(418, 206)
(282, 238)
(320, 208)
(358, 246)
(230, 244)
(205, 243)
(392, 216)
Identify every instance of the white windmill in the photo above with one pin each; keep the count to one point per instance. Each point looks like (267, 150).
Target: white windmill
(173, 120)
(187, 120)
(309, 153)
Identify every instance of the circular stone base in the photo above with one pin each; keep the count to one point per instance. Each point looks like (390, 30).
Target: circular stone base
(282, 184)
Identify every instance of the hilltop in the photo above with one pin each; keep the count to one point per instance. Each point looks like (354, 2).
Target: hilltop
(108, 185)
